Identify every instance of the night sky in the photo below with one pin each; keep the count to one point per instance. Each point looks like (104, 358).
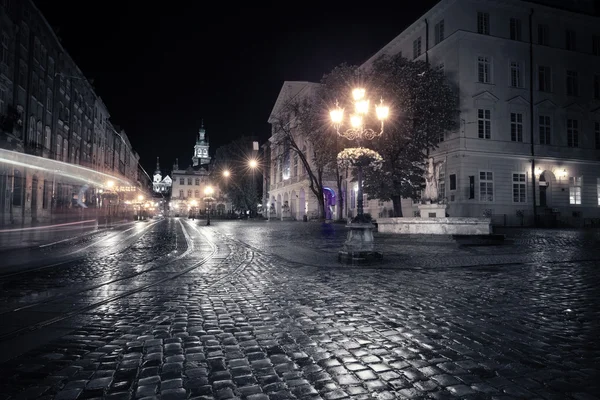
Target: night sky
(161, 69)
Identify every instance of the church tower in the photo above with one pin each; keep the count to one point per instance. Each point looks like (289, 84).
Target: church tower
(157, 175)
(201, 148)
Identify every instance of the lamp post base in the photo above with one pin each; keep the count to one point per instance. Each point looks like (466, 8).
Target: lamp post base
(359, 257)
(358, 248)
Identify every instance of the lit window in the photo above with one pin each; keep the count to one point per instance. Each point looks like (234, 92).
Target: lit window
(575, 189)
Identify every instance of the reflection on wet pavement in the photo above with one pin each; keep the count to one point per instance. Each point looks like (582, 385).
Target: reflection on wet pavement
(272, 316)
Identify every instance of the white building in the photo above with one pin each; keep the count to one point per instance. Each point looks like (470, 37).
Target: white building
(529, 137)
(528, 75)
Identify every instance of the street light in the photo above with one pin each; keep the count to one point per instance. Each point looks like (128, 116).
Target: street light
(358, 131)
(226, 173)
(208, 191)
(359, 245)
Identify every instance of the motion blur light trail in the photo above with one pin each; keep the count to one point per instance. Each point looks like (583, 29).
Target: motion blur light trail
(75, 172)
(47, 226)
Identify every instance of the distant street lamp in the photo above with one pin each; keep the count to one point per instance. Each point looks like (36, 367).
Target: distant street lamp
(359, 245)
(253, 163)
(208, 191)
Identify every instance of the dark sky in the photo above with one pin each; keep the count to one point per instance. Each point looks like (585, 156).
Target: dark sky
(162, 68)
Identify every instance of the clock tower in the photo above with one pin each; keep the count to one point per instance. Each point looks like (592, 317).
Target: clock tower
(201, 156)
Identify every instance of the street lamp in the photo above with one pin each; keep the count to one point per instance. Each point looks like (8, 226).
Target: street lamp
(208, 191)
(253, 163)
(358, 131)
(226, 173)
(359, 245)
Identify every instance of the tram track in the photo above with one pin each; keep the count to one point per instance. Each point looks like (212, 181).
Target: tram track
(70, 314)
(104, 253)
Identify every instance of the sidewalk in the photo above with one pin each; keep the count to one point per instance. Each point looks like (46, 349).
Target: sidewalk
(316, 244)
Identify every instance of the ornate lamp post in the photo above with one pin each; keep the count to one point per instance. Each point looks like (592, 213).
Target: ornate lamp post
(208, 191)
(358, 157)
(358, 247)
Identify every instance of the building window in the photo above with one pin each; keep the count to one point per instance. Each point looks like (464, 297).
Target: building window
(596, 45)
(515, 74)
(545, 128)
(597, 87)
(544, 79)
(543, 34)
(190, 181)
(572, 133)
(452, 181)
(22, 74)
(439, 32)
(570, 39)
(575, 189)
(417, 47)
(182, 181)
(572, 83)
(484, 122)
(181, 194)
(49, 100)
(197, 181)
(189, 193)
(519, 188)
(597, 134)
(515, 29)
(486, 186)
(483, 23)
(516, 127)
(484, 68)
(4, 49)
(197, 194)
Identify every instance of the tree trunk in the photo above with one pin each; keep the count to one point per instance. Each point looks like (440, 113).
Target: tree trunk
(321, 197)
(340, 189)
(397, 202)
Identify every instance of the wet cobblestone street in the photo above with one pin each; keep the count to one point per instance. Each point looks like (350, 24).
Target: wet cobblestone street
(262, 311)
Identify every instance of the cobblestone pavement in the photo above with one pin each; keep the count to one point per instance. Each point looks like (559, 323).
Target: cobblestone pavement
(261, 311)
